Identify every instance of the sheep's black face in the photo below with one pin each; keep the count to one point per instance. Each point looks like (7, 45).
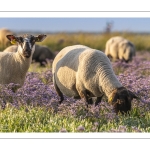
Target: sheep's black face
(122, 100)
(26, 42)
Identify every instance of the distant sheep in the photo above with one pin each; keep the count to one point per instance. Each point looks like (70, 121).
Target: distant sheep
(120, 48)
(41, 54)
(14, 66)
(83, 72)
(4, 42)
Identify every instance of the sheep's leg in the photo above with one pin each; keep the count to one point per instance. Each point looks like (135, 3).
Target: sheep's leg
(84, 96)
(98, 100)
(59, 93)
(90, 101)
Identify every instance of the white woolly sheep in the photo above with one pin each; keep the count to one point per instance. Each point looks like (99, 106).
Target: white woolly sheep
(12, 48)
(83, 72)
(120, 48)
(14, 66)
(4, 42)
(41, 54)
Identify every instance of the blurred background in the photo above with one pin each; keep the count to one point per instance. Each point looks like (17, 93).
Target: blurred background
(92, 32)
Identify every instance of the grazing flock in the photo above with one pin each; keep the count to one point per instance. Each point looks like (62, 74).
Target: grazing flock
(78, 71)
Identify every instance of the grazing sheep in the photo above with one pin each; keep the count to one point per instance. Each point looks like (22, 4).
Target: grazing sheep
(4, 42)
(14, 66)
(120, 48)
(41, 54)
(82, 72)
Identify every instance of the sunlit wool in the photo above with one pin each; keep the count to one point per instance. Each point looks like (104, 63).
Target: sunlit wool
(83, 72)
(14, 66)
(119, 48)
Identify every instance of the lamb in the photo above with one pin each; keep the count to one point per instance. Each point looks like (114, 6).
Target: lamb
(4, 42)
(83, 72)
(14, 66)
(41, 54)
(120, 48)
(12, 48)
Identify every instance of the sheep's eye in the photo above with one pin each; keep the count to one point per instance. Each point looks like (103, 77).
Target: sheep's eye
(20, 40)
(33, 40)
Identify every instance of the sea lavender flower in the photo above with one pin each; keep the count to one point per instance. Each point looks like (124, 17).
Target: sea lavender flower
(63, 130)
(80, 128)
(135, 129)
(121, 128)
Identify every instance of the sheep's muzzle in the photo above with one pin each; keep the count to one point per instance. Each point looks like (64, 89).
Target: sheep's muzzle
(122, 99)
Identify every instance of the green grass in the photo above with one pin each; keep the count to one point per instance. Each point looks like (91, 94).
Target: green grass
(39, 119)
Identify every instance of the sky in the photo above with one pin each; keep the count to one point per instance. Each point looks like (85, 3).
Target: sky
(79, 24)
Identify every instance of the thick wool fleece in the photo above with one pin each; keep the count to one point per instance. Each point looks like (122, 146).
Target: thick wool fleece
(13, 67)
(120, 48)
(12, 48)
(79, 68)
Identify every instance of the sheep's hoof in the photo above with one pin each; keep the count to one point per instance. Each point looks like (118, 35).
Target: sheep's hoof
(90, 101)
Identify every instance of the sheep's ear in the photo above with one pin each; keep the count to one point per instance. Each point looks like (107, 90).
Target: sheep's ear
(113, 98)
(40, 38)
(12, 39)
(133, 95)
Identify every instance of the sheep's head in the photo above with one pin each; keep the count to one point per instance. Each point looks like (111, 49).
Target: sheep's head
(26, 43)
(121, 100)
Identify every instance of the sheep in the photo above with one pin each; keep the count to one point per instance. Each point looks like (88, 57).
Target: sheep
(14, 66)
(120, 48)
(82, 72)
(41, 54)
(12, 48)
(4, 42)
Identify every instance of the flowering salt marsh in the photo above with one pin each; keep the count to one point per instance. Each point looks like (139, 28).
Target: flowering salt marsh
(35, 106)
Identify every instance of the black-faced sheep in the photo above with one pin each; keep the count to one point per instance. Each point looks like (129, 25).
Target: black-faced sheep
(41, 53)
(14, 66)
(83, 72)
(120, 48)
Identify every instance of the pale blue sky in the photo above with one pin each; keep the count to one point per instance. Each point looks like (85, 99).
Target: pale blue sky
(75, 24)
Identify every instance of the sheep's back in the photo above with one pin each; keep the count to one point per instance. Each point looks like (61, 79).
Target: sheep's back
(8, 66)
(118, 46)
(63, 52)
(112, 46)
(12, 48)
(80, 66)
(65, 66)
(42, 53)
